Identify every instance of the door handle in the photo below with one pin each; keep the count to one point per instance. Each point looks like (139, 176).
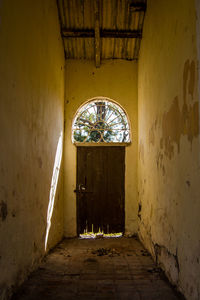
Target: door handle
(81, 189)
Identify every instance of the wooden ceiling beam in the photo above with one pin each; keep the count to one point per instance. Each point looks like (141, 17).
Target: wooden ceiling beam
(104, 33)
(97, 34)
(121, 34)
(75, 33)
(137, 6)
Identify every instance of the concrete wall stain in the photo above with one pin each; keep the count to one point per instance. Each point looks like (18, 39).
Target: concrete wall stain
(178, 122)
(162, 252)
(3, 210)
(13, 213)
(39, 160)
(152, 132)
(160, 163)
(188, 183)
(141, 151)
(188, 79)
(172, 129)
(139, 210)
(151, 136)
(181, 121)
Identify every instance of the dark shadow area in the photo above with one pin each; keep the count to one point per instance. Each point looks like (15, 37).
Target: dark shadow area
(118, 268)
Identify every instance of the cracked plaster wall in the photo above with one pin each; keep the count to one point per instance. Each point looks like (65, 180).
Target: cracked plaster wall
(168, 120)
(31, 119)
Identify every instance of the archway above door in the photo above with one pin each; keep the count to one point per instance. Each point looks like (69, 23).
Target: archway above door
(101, 121)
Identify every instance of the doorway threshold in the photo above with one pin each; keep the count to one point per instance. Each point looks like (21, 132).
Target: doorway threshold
(99, 235)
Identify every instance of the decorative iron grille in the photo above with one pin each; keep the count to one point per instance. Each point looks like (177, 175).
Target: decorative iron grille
(101, 121)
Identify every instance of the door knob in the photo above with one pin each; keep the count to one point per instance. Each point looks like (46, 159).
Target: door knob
(81, 188)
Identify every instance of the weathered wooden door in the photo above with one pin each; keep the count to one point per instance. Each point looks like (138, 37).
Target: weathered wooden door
(100, 188)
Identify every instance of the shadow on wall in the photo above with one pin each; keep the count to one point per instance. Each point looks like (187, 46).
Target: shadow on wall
(54, 183)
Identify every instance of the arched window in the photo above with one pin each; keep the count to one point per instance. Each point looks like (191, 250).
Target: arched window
(100, 121)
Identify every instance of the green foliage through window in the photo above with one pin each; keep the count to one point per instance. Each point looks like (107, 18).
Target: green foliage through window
(101, 121)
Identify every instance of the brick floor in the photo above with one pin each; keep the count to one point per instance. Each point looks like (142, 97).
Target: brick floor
(97, 269)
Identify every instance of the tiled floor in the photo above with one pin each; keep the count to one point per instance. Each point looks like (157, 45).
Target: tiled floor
(97, 269)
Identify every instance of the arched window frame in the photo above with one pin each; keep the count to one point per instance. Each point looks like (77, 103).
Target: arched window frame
(101, 143)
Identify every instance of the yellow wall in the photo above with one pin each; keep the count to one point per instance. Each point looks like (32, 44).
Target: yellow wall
(31, 120)
(116, 80)
(168, 121)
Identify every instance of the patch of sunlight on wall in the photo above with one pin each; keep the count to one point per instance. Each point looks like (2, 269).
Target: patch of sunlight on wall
(54, 182)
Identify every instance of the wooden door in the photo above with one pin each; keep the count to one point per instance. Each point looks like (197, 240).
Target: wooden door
(100, 189)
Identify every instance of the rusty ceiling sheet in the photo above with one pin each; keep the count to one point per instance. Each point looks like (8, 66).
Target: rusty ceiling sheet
(114, 15)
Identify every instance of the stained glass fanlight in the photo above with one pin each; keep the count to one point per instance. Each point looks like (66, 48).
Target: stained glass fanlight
(101, 121)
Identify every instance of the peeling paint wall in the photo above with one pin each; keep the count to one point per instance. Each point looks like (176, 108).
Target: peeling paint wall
(168, 121)
(31, 120)
(115, 79)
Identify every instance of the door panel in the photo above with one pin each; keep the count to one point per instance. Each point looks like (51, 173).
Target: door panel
(100, 189)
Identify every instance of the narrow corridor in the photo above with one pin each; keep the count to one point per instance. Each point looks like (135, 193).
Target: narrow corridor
(117, 268)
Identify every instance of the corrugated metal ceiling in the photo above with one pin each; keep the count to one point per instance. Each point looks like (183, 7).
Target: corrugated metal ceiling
(114, 15)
